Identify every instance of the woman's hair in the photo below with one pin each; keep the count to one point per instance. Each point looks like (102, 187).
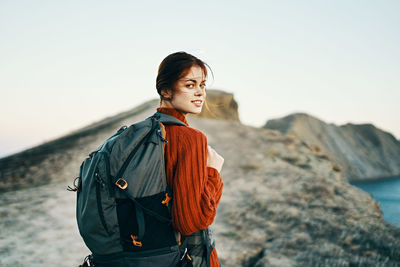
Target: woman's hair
(174, 67)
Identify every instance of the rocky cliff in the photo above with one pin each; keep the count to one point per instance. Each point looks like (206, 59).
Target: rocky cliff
(219, 105)
(283, 204)
(363, 151)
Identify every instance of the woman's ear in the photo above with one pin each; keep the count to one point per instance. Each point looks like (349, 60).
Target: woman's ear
(166, 93)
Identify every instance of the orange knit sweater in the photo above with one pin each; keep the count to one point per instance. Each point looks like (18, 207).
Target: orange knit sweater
(196, 188)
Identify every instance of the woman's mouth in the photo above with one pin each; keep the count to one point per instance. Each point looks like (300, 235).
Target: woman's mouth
(197, 103)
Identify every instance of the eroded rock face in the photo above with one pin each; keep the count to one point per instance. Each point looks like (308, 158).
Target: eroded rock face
(361, 150)
(220, 105)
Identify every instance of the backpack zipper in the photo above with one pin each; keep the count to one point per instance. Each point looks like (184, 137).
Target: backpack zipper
(107, 170)
(100, 182)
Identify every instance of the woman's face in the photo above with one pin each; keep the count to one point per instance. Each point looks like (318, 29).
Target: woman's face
(190, 92)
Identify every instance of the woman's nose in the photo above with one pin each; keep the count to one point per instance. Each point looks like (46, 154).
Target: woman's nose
(199, 90)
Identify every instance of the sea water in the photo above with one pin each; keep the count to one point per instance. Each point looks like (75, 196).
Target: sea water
(387, 193)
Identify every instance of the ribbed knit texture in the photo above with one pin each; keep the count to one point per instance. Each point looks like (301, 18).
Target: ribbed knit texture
(196, 188)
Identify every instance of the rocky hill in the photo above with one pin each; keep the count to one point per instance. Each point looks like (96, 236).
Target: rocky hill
(283, 204)
(363, 151)
(57, 160)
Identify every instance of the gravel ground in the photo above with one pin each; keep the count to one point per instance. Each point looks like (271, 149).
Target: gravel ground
(38, 228)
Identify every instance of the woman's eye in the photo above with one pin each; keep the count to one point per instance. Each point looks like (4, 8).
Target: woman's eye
(202, 86)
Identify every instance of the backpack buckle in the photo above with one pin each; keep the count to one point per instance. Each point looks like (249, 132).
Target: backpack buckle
(121, 183)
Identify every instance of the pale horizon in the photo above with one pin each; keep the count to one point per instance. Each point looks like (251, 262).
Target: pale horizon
(67, 64)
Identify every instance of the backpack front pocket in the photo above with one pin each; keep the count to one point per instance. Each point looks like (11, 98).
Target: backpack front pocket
(96, 210)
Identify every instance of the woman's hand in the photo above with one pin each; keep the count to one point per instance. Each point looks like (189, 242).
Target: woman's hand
(214, 160)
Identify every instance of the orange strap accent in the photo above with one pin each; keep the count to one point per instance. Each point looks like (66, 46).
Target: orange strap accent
(164, 133)
(189, 258)
(179, 239)
(135, 242)
(166, 200)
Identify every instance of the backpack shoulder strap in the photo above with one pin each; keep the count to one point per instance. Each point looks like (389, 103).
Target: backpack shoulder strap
(168, 119)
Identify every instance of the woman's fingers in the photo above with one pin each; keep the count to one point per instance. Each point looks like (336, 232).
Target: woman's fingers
(214, 159)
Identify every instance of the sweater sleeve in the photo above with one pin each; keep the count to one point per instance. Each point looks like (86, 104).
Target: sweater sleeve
(197, 188)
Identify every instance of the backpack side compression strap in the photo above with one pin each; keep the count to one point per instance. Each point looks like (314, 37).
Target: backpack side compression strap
(207, 240)
(140, 221)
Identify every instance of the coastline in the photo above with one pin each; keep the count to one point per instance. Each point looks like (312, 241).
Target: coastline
(375, 179)
(386, 193)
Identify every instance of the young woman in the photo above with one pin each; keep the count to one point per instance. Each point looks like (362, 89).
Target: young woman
(192, 166)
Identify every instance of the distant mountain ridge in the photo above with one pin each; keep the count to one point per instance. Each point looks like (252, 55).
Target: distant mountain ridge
(362, 150)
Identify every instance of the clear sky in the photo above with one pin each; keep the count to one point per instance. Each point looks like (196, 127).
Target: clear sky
(64, 64)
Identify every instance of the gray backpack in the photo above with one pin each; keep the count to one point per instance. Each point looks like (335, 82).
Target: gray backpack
(123, 209)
